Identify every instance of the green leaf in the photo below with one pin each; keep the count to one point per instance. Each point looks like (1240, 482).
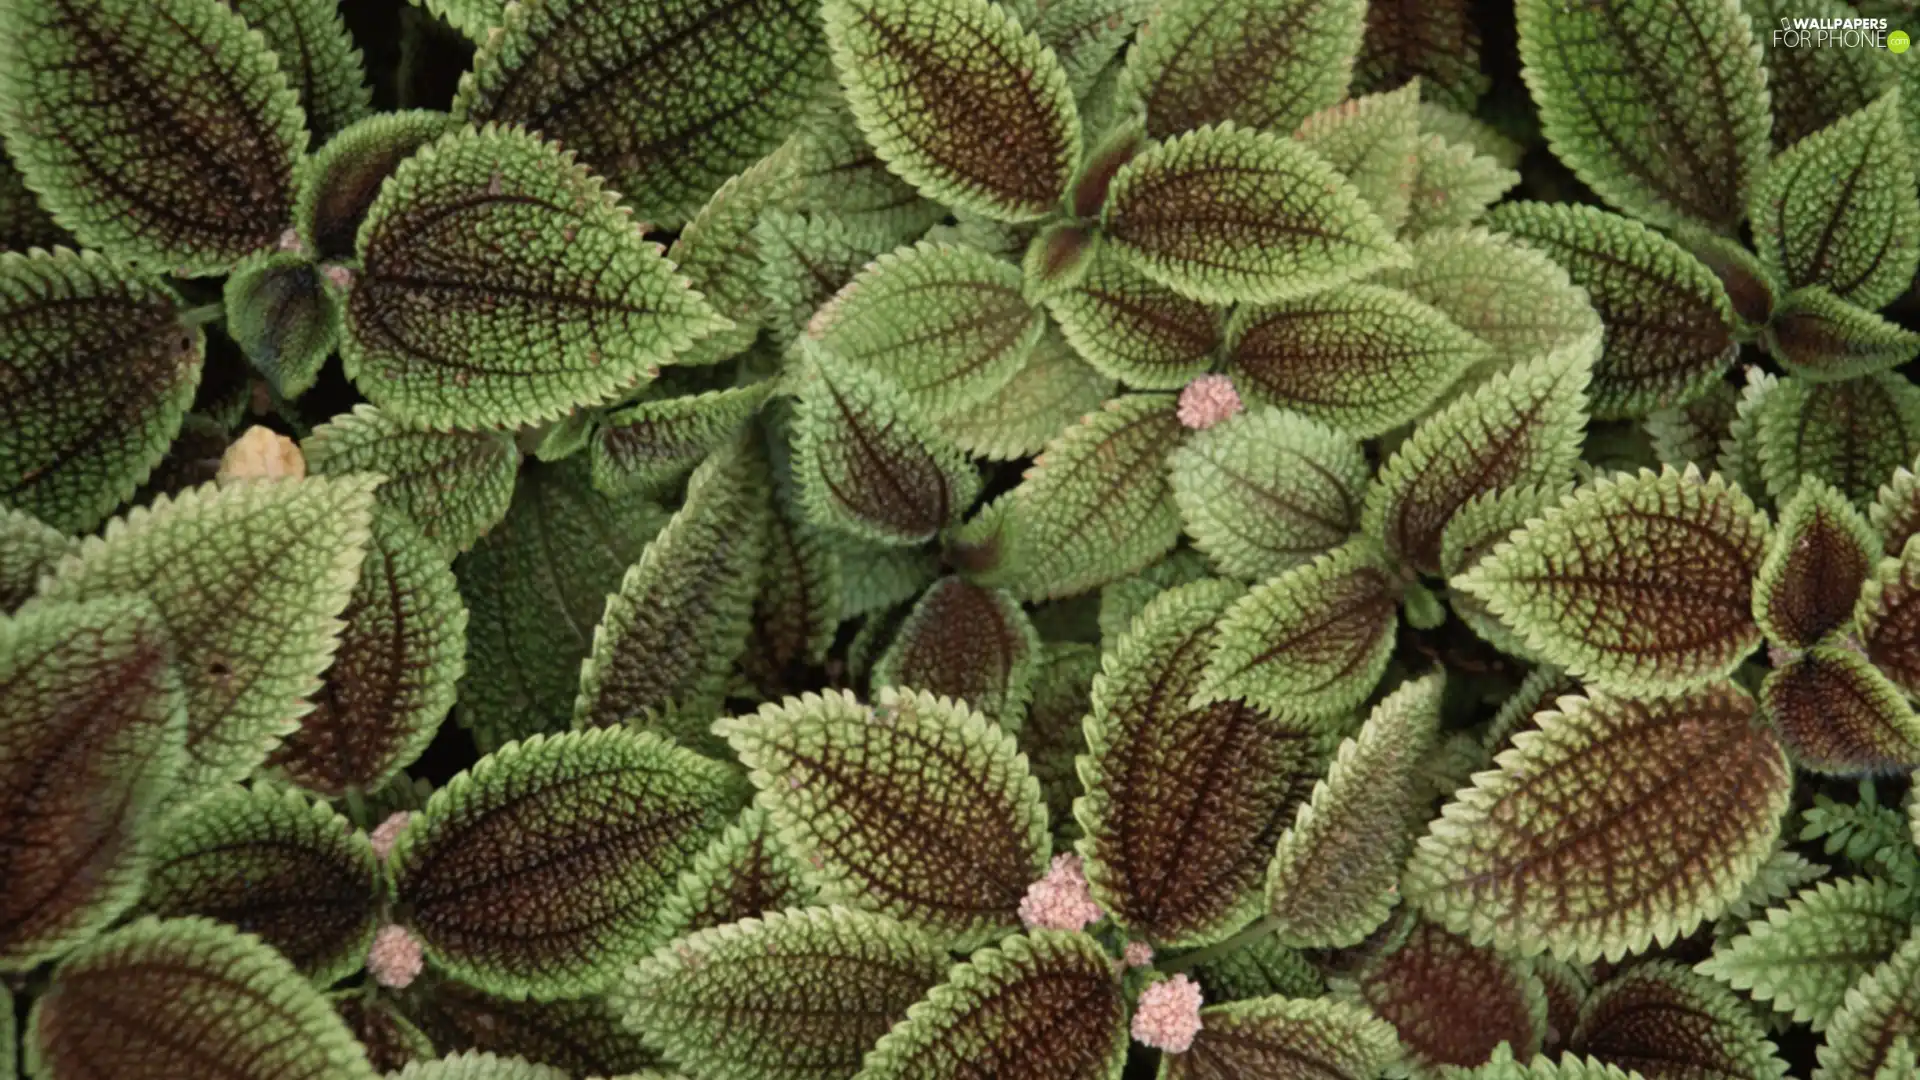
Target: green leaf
(1887, 619)
(840, 174)
(454, 486)
(1503, 1066)
(393, 678)
(24, 225)
(792, 995)
(1233, 215)
(664, 100)
(338, 182)
(28, 549)
(917, 807)
(1520, 428)
(535, 588)
(1635, 582)
(1821, 338)
(1453, 185)
(472, 1066)
(804, 260)
(536, 873)
(959, 101)
(1451, 1002)
(1509, 295)
(1362, 358)
(1692, 433)
(1480, 526)
(317, 56)
(101, 367)
(1662, 111)
(1436, 43)
(1669, 327)
(1879, 1010)
(1052, 389)
(1817, 559)
(1801, 958)
(1183, 804)
(745, 872)
(1780, 877)
(1740, 452)
(1895, 512)
(990, 1010)
(869, 464)
(969, 643)
(1813, 86)
(796, 610)
(1365, 139)
(1261, 968)
(284, 316)
(1260, 65)
(1283, 1039)
(437, 322)
(1661, 1020)
(1133, 329)
(186, 997)
(1313, 640)
(719, 252)
(249, 578)
(1268, 490)
(1095, 506)
(1053, 736)
(1335, 874)
(1839, 210)
(163, 131)
(946, 325)
(1839, 715)
(1615, 825)
(1059, 258)
(1456, 123)
(581, 1036)
(874, 578)
(666, 645)
(91, 724)
(1851, 434)
(276, 865)
(647, 447)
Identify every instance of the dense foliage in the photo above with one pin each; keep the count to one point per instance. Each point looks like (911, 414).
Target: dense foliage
(959, 540)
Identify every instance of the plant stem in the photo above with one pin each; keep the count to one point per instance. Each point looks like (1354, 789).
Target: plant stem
(1259, 929)
(204, 314)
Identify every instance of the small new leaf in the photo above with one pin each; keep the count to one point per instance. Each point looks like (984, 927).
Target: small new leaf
(1507, 294)
(1366, 139)
(1822, 338)
(744, 873)
(1453, 185)
(339, 181)
(1851, 434)
(1054, 388)
(969, 643)
(649, 446)
(284, 316)
(1817, 559)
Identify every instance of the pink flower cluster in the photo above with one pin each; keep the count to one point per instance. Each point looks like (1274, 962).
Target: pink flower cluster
(1168, 1015)
(1062, 900)
(1208, 400)
(396, 958)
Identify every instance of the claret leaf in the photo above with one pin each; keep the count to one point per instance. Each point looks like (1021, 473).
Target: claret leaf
(1616, 824)
(1817, 559)
(1888, 618)
(969, 643)
(1822, 338)
(1838, 714)
(583, 1036)
(745, 872)
(1660, 1019)
(1134, 329)
(1286, 1039)
(1452, 1003)
(1851, 434)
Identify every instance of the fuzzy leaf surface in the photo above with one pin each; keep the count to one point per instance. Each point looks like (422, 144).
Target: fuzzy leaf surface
(1818, 557)
(92, 721)
(796, 607)
(1437, 43)
(186, 997)
(1366, 139)
(1851, 434)
(719, 251)
(1838, 714)
(249, 579)
(284, 316)
(317, 56)
(454, 486)
(1285, 1039)
(804, 260)
(966, 642)
(582, 1036)
(1453, 184)
(1614, 825)
(1888, 618)
(440, 320)
(29, 548)
(647, 447)
(100, 370)
(1271, 65)
(1665, 1022)
(1812, 88)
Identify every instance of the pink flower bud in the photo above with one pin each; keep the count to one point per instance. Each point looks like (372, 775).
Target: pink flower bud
(1208, 400)
(396, 958)
(1137, 954)
(1061, 900)
(383, 837)
(1168, 1015)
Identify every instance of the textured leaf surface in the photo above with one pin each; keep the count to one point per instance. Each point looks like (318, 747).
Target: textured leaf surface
(282, 314)
(1640, 582)
(316, 55)
(671, 633)
(1134, 329)
(389, 1038)
(472, 1066)
(1053, 735)
(274, 864)
(1438, 43)
(535, 588)
(1095, 506)
(960, 102)
(946, 324)
(1201, 62)
(1661, 111)
(338, 183)
(797, 607)
(1817, 559)
(24, 224)
(1311, 641)
(1518, 429)
(1452, 1002)
(744, 873)
(1362, 358)
(1838, 714)
(1267, 491)
(454, 486)
(665, 101)
(840, 173)
(1888, 618)
(252, 611)
(1228, 215)
(804, 260)
(1669, 325)
(1663, 1021)
(646, 447)
(794, 995)
(1183, 804)
(536, 873)
(1262, 968)
(719, 252)
(1879, 1010)
(1045, 1006)
(1367, 139)
(966, 642)
(1616, 824)
(1818, 336)
(1838, 208)
(1285, 1039)
(163, 131)
(1335, 874)
(439, 319)
(582, 1036)
(186, 997)
(1813, 87)
(28, 549)
(394, 675)
(99, 371)
(1051, 390)
(916, 807)
(1851, 434)
(91, 725)
(1453, 184)
(869, 464)
(1507, 294)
